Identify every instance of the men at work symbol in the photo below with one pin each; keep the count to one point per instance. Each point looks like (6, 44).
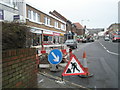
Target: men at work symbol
(74, 66)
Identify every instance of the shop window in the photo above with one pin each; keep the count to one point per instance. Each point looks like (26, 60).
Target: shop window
(45, 38)
(50, 38)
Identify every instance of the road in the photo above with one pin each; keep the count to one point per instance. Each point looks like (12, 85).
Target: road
(102, 58)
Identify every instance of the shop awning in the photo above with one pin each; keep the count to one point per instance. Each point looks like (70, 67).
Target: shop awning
(36, 31)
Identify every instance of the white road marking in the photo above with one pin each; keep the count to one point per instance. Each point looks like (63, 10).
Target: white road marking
(95, 87)
(108, 50)
(60, 82)
(104, 48)
(41, 81)
(112, 52)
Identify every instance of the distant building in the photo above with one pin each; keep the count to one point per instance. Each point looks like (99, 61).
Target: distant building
(114, 28)
(80, 29)
(70, 27)
(95, 30)
(12, 10)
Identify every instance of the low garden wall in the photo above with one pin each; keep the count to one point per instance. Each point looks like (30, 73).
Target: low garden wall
(19, 69)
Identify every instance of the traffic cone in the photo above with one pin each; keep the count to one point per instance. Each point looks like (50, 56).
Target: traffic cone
(85, 67)
(85, 63)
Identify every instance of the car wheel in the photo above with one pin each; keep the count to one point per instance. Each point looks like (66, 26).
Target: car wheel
(76, 46)
(73, 47)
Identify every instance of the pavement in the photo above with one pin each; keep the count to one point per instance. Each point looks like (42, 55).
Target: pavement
(47, 80)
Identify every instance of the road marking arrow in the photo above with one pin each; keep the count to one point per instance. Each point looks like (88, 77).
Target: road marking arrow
(56, 58)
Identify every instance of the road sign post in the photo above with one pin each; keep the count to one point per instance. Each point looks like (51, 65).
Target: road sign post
(54, 58)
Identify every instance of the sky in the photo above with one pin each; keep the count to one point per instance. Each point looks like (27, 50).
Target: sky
(92, 13)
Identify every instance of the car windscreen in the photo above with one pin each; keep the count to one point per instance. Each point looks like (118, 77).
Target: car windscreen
(69, 41)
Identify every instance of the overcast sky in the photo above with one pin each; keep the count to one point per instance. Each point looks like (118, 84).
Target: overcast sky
(92, 13)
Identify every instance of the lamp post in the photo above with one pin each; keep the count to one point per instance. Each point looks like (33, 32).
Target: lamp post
(42, 39)
(84, 29)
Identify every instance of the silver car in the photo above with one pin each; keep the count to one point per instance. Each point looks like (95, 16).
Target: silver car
(106, 39)
(71, 43)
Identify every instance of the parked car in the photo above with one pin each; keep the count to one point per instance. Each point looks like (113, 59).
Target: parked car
(91, 39)
(78, 40)
(71, 43)
(106, 38)
(84, 40)
(116, 38)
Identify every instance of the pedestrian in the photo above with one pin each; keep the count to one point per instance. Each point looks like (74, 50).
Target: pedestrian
(54, 41)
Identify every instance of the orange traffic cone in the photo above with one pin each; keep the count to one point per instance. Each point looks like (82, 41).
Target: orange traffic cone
(85, 67)
(85, 63)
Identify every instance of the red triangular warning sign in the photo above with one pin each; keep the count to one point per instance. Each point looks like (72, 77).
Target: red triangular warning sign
(74, 67)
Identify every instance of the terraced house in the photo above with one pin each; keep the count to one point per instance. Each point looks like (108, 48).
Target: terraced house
(12, 10)
(47, 28)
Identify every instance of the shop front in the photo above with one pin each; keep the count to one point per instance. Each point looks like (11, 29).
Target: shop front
(56, 38)
(46, 37)
(36, 36)
(61, 38)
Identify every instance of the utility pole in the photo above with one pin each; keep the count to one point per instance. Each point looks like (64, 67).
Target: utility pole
(42, 39)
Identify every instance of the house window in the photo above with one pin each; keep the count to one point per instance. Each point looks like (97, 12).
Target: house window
(56, 24)
(29, 14)
(7, 1)
(34, 16)
(49, 21)
(38, 17)
(45, 20)
(61, 26)
(15, 2)
(1, 15)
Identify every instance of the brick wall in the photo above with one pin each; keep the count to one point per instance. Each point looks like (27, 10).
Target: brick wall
(19, 68)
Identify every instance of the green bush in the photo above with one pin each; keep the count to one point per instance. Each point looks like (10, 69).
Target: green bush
(15, 35)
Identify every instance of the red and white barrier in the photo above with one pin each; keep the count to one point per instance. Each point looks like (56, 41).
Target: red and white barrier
(64, 51)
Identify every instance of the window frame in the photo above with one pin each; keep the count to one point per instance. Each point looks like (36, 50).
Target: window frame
(29, 14)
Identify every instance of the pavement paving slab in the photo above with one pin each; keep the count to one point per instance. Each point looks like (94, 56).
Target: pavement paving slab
(46, 80)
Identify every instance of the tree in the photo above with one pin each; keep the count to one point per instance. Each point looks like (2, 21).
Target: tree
(15, 35)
